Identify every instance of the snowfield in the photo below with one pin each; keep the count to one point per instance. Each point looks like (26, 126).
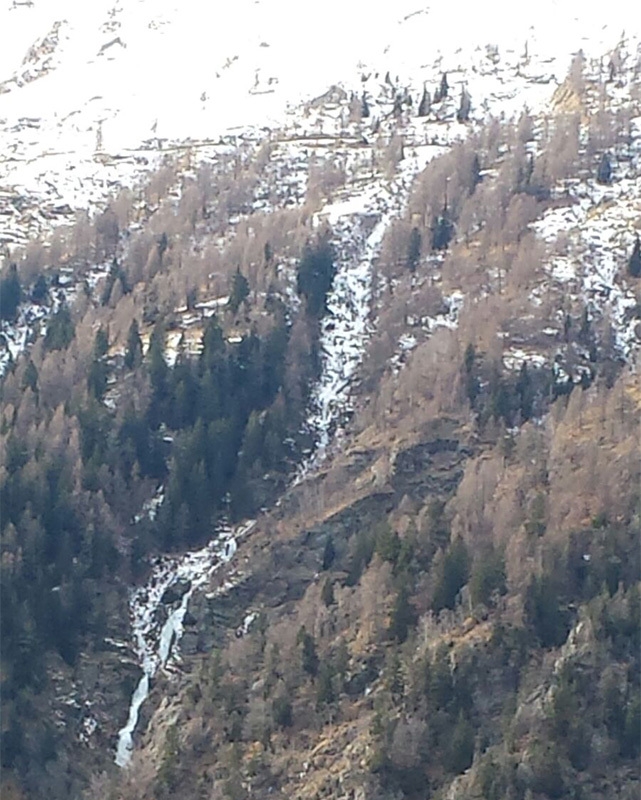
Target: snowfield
(94, 94)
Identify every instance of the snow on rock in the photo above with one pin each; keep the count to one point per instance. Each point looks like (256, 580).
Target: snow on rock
(151, 506)
(16, 336)
(599, 228)
(449, 318)
(88, 727)
(515, 357)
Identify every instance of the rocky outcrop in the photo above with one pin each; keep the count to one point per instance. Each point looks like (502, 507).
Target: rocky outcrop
(175, 592)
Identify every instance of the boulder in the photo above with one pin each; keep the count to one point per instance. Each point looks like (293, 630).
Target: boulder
(175, 592)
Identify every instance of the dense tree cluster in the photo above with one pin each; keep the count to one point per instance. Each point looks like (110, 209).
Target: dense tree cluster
(478, 611)
(90, 427)
(486, 627)
(315, 275)
(10, 294)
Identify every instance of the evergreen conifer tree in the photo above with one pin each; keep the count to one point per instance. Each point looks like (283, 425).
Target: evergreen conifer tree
(239, 290)
(60, 330)
(442, 230)
(309, 657)
(476, 172)
(634, 264)
(30, 377)
(443, 89)
(329, 553)
(133, 353)
(10, 294)
(425, 103)
(404, 616)
(414, 250)
(40, 290)
(604, 172)
(465, 106)
(327, 593)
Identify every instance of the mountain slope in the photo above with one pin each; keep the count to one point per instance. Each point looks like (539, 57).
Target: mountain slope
(409, 414)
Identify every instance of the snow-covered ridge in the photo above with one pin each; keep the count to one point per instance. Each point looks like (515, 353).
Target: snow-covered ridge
(113, 83)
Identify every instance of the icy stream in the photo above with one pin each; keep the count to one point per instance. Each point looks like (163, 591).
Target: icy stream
(358, 225)
(155, 639)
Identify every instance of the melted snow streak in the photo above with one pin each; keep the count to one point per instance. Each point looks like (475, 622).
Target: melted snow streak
(156, 638)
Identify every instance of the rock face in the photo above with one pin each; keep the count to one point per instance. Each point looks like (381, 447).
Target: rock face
(175, 592)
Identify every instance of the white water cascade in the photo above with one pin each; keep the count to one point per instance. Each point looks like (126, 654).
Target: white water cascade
(153, 639)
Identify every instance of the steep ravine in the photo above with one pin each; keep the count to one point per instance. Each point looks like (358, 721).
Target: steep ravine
(358, 224)
(157, 612)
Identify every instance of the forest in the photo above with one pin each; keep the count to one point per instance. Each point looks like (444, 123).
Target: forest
(220, 432)
(450, 605)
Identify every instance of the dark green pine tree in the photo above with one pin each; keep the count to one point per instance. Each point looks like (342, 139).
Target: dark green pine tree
(634, 264)
(470, 377)
(101, 343)
(388, 543)
(475, 177)
(99, 369)
(309, 657)
(327, 593)
(604, 172)
(30, 377)
(40, 290)
(60, 330)
(544, 613)
(315, 276)
(443, 89)
(499, 401)
(404, 616)
(10, 294)
(460, 752)
(425, 103)
(442, 230)
(239, 290)
(116, 273)
(159, 375)
(329, 553)
(453, 576)
(525, 392)
(465, 106)
(163, 244)
(133, 353)
(325, 694)
(414, 250)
